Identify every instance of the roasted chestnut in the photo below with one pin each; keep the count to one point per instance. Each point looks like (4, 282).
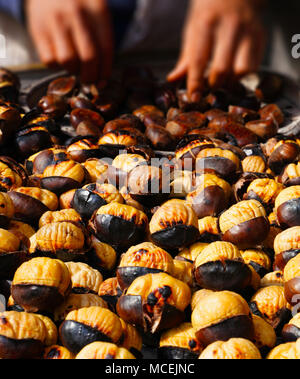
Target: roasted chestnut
(184, 122)
(211, 196)
(65, 215)
(263, 128)
(264, 335)
(259, 260)
(30, 203)
(160, 137)
(287, 207)
(7, 210)
(191, 253)
(91, 197)
(219, 316)
(10, 120)
(271, 304)
(146, 110)
(86, 325)
(104, 350)
(84, 278)
(12, 175)
(41, 284)
(66, 199)
(291, 175)
(97, 170)
(82, 150)
(110, 292)
(32, 140)
(291, 277)
(220, 266)
(25, 335)
(37, 163)
(274, 278)
(143, 259)
(87, 122)
(53, 106)
(288, 350)
(119, 225)
(131, 339)
(57, 352)
(174, 225)
(102, 257)
(245, 224)
(154, 302)
(64, 87)
(179, 343)
(116, 141)
(235, 348)
(272, 112)
(183, 271)
(286, 246)
(282, 152)
(209, 229)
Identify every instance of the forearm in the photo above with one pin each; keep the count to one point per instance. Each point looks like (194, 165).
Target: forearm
(12, 7)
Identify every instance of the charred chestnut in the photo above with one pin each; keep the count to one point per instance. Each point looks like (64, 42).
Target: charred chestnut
(41, 284)
(12, 175)
(119, 225)
(87, 325)
(220, 266)
(219, 316)
(110, 292)
(179, 343)
(209, 229)
(174, 225)
(287, 207)
(104, 350)
(143, 259)
(117, 140)
(7, 210)
(32, 140)
(245, 224)
(10, 120)
(154, 302)
(37, 163)
(57, 352)
(235, 348)
(286, 246)
(83, 149)
(84, 278)
(259, 260)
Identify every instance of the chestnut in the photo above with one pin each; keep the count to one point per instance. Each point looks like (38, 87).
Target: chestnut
(284, 152)
(119, 225)
(102, 257)
(289, 350)
(110, 292)
(66, 199)
(254, 163)
(246, 114)
(7, 210)
(291, 276)
(64, 240)
(84, 278)
(154, 302)
(32, 140)
(63, 176)
(121, 166)
(148, 185)
(258, 259)
(211, 196)
(183, 271)
(291, 331)
(91, 197)
(239, 135)
(86, 119)
(160, 137)
(131, 340)
(112, 143)
(218, 161)
(179, 343)
(23, 231)
(220, 266)
(64, 87)
(191, 253)
(41, 284)
(291, 175)
(174, 225)
(245, 224)
(10, 120)
(219, 316)
(265, 191)
(184, 122)
(274, 278)
(37, 163)
(263, 128)
(86, 325)
(186, 105)
(287, 207)
(9, 86)
(25, 335)
(146, 110)
(235, 348)
(165, 97)
(53, 105)
(104, 350)
(57, 352)
(77, 301)
(65, 215)
(96, 169)
(286, 246)
(209, 229)
(270, 304)
(82, 150)
(264, 335)
(30, 203)
(272, 112)
(145, 258)
(12, 174)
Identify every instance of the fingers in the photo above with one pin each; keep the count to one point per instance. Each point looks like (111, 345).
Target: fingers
(45, 49)
(179, 71)
(250, 51)
(227, 38)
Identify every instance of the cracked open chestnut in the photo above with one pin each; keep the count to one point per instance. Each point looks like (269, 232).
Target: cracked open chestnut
(211, 196)
(174, 225)
(270, 304)
(102, 257)
(110, 292)
(37, 163)
(131, 340)
(190, 253)
(57, 352)
(12, 174)
(184, 122)
(145, 258)
(87, 325)
(104, 350)
(291, 275)
(287, 207)
(32, 140)
(289, 350)
(30, 203)
(84, 278)
(25, 335)
(7, 210)
(219, 316)
(220, 266)
(235, 348)
(258, 259)
(154, 302)
(114, 142)
(97, 170)
(10, 120)
(83, 149)
(41, 284)
(291, 331)
(119, 225)
(286, 246)
(264, 335)
(282, 152)
(209, 229)
(65, 215)
(179, 343)
(245, 224)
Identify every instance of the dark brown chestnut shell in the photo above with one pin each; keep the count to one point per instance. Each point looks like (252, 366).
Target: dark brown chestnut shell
(20, 349)
(126, 275)
(176, 237)
(172, 352)
(288, 213)
(290, 333)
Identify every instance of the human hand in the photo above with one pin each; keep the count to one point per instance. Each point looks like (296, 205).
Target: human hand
(74, 34)
(227, 33)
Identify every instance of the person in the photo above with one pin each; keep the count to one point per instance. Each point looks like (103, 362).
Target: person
(220, 39)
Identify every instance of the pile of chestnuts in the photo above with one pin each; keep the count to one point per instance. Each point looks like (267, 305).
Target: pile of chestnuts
(130, 217)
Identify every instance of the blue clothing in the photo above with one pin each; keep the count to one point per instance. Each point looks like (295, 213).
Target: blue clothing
(122, 12)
